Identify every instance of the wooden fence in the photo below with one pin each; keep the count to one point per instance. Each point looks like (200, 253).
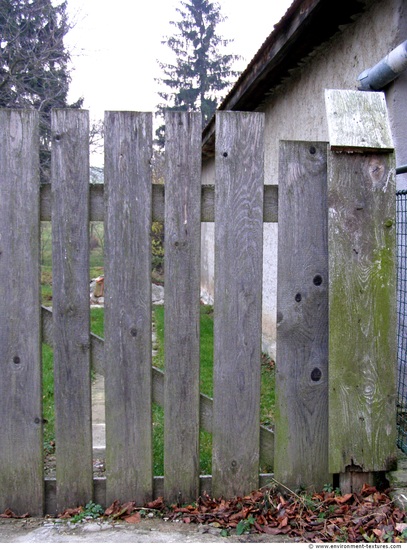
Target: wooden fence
(353, 436)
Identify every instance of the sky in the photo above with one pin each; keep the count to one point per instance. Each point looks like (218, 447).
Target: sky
(115, 45)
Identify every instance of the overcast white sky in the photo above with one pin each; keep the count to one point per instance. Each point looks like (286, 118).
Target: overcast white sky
(115, 45)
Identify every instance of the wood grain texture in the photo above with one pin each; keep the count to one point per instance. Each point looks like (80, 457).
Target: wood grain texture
(358, 121)
(362, 317)
(97, 210)
(301, 438)
(128, 379)
(70, 273)
(238, 299)
(182, 296)
(21, 465)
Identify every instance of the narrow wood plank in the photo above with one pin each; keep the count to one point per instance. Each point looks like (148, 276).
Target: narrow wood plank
(238, 299)
(21, 465)
(70, 275)
(128, 383)
(205, 417)
(358, 121)
(182, 294)
(97, 210)
(362, 316)
(301, 432)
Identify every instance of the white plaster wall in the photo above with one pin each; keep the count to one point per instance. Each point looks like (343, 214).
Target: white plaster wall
(207, 242)
(296, 111)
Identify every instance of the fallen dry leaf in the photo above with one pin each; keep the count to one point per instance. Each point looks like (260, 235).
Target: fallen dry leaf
(9, 514)
(133, 518)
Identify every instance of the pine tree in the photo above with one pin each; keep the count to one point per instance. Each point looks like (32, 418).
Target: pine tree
(34, 62)
(200, 71)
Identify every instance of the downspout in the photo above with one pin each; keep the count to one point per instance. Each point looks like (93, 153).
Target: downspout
(385, 71)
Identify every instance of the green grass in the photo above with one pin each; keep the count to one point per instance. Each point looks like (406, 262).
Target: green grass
(97, 321)
(48, 396)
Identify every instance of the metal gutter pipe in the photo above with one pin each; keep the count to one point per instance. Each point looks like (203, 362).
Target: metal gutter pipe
(401, 169)
(389, 68)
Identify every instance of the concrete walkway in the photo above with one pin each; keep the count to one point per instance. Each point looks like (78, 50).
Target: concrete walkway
(98, 418)
(147, 531)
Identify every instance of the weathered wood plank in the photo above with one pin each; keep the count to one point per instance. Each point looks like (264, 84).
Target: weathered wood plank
(205, 418)
(301, 455)
(128, 379)
(21, 465)
(182, 294)
(238, 295)
(70, 273)
(97, 211)
(362, 316)
(358, 121)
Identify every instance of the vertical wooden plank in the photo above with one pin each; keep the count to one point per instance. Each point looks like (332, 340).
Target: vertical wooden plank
(238, 300)
(128, 378)
(362, 312)
(182, 294)
(21, 463)
(301, 431)
(362, 287)
(70, 275)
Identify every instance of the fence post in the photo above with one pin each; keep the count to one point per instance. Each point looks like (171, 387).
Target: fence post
(182, 293)
(238, 300)
(21, 461)
(70, 274)
(362, 287)
(128, 378)
(301, 429)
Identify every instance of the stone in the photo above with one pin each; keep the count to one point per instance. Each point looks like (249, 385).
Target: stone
(157, 294)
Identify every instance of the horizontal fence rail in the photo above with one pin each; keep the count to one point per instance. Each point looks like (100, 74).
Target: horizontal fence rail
(97, 208)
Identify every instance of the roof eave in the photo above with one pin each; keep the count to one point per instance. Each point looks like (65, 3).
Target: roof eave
(304, 27)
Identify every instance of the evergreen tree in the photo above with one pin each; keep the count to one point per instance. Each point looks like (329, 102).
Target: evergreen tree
(34, 62)
(200, 71)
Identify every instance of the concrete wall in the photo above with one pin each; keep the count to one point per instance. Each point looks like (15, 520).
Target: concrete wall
(296, 111)
(207, 242)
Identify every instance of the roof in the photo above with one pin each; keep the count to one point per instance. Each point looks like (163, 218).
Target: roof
(303, 28)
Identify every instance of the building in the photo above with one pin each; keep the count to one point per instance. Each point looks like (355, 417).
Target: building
(317, 45)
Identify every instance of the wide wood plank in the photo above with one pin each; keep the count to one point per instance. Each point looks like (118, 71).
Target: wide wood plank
(238, 299)
(301, 432)
(21, 464)
(182, 294)
(70, 274)
(128, 378)
(362, 315)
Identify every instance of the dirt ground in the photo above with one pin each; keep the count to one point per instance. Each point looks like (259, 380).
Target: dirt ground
(32, 530)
